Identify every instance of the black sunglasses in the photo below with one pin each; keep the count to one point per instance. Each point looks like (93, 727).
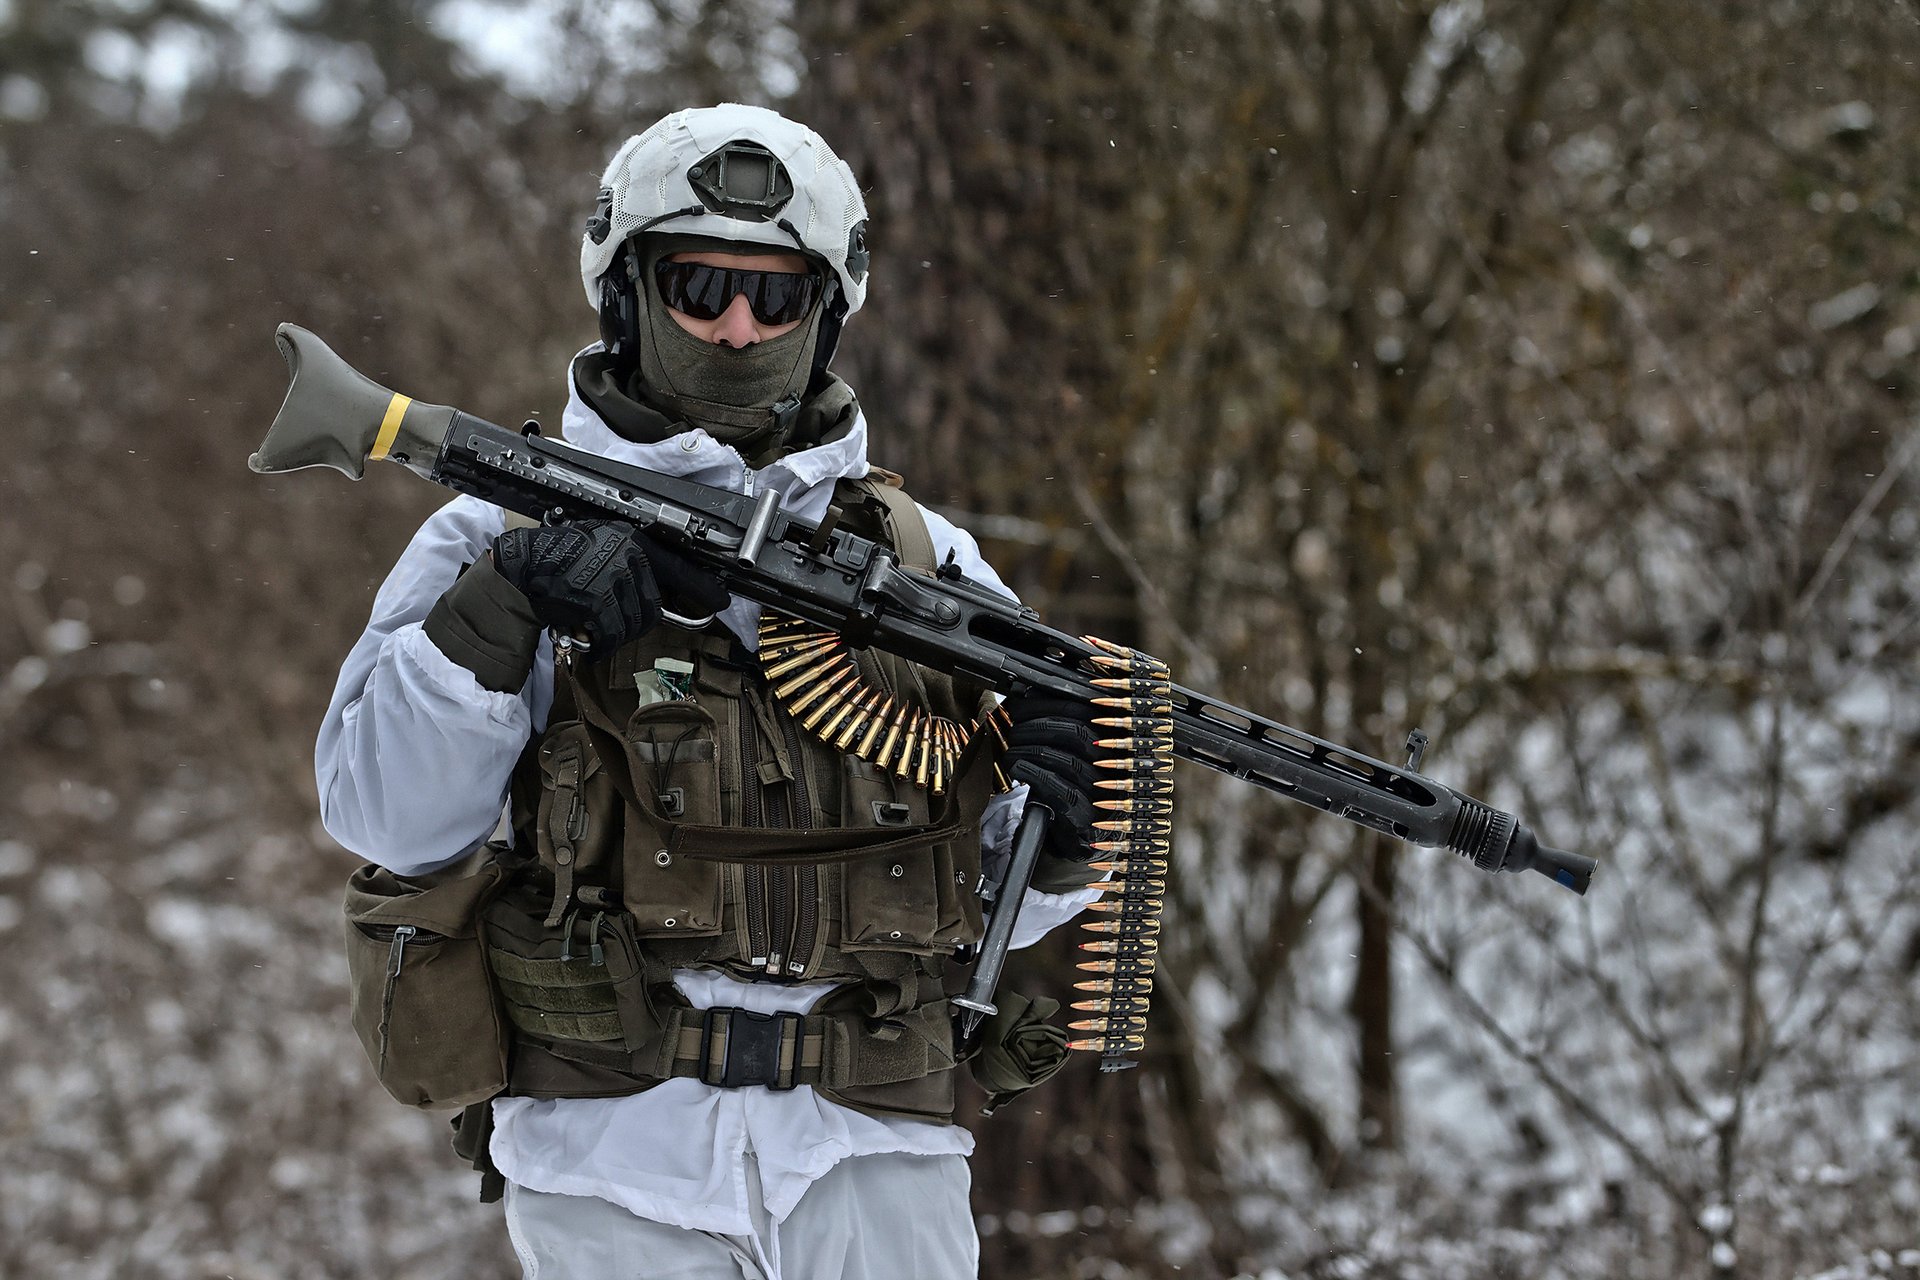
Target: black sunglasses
(703, 292)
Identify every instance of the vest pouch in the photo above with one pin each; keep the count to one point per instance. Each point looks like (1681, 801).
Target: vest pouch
(957, 863)
(555, 982)
(423, 1004)
(578, 811)
(956, 874)
(890, 901)
(568, 994)
(919, 1037)
(627, 971)
(676, 780)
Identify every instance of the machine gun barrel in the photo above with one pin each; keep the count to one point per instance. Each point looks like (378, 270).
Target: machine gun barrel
(334, 416)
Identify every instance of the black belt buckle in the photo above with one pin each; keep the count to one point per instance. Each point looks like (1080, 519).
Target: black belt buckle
(753, 1048)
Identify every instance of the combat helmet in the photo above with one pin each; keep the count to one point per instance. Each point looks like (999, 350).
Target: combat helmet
(731, 173)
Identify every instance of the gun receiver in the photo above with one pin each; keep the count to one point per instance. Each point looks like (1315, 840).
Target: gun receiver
(334, 416)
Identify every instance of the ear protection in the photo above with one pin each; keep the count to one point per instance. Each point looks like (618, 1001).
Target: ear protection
(620, 310)
(833, 314)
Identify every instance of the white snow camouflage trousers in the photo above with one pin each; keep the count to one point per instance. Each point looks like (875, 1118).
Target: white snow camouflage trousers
(879, 1217)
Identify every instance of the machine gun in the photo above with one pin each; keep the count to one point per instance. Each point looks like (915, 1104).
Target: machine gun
(856, 588)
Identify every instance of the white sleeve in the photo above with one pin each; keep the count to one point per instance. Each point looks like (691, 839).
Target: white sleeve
(1040, 913)
(414, 756)
(950, 539)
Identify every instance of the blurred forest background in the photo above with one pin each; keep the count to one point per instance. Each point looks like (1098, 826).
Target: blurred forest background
(1536, 372)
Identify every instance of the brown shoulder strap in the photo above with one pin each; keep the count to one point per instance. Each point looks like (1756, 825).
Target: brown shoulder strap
(906, 526)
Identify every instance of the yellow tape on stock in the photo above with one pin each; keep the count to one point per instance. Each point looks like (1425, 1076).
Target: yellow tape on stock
(389, 426)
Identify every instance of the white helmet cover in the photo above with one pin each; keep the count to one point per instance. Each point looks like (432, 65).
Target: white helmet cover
(648, 181)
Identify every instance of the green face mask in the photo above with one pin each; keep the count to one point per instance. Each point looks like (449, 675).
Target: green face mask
(745, 397)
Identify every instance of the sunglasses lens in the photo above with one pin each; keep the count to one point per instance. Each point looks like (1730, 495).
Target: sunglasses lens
(781, 297)
(692, 289)
(704, 292)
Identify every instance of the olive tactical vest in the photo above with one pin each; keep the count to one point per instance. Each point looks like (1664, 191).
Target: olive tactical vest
(673, 814)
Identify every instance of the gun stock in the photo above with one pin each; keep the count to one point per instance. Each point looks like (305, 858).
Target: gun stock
(335, 416)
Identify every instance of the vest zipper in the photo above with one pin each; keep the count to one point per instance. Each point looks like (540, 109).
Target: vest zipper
(783, 903)
(805, 880)
(755, 881)
(755, 876)
(777, 960)
(779, 884)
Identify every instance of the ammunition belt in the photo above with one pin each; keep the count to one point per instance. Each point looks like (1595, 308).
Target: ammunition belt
(813, 674)
(1135, 828)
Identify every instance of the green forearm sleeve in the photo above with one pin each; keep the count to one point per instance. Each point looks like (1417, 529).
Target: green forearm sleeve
(487, 626)
(1057, 875)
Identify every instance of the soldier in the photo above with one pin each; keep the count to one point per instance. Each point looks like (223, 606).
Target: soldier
(712, 1034)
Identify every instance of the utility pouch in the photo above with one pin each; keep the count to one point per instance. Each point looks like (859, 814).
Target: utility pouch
(423, 1004)
(577, 816)
(659, 757)
(890, 903)
(675, 780)
(917, 899)
(1019, 1048)
(579, 989)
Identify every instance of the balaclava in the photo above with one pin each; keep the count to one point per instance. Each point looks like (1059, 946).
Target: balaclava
(745, 397)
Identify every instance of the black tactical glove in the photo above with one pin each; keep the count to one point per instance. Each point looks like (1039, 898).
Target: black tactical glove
(603, 578)
(1051, 750)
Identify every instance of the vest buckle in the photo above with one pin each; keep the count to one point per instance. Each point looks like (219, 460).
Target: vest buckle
(751, 1050)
